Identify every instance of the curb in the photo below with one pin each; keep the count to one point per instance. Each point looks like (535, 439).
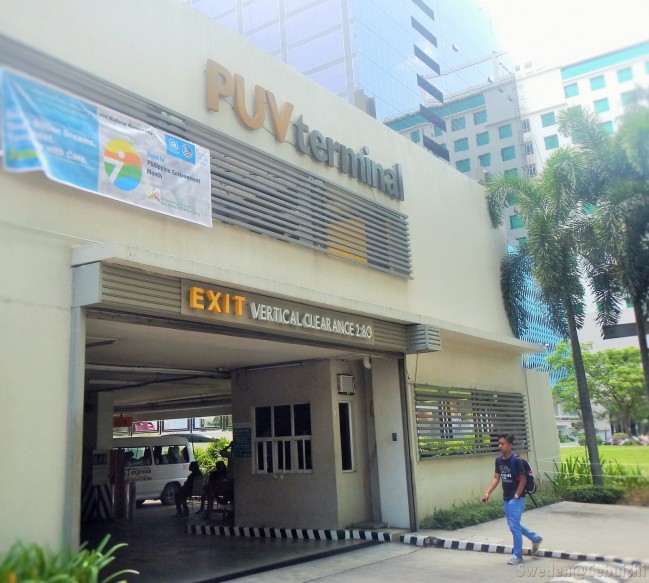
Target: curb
(293, 533)
(463, 545)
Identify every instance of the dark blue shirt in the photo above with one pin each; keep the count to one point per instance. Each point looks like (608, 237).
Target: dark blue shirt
(510, 471)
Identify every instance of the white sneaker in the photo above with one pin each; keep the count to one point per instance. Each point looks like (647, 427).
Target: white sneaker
(515, 560)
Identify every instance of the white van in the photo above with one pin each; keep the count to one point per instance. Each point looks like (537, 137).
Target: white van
(159, 465)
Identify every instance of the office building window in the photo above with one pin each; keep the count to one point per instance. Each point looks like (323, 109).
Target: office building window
(461, 145)
(511, 199)
(346, 451)
(485, 160)
(511, 172)
(525, 125)
(458, 123)
(597, 82)
(505, 131)
(480, 117)
(530, 170)
(629, 98)
(607, 126)
(482, 139)
(415, 136)
(437, 131)
(547, 119)
(463, 165)
(601, 105)
(625, 75)
(571, 90)
(551, 142)
(508, 153)
(517, 222)
(521, 241)
(529, 148)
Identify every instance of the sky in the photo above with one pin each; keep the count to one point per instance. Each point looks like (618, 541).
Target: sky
(557, 32)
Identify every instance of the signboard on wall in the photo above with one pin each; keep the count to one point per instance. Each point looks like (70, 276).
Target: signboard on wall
(90, 147)
(248, 309)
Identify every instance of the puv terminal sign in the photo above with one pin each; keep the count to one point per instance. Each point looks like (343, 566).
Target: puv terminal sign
(222, 83)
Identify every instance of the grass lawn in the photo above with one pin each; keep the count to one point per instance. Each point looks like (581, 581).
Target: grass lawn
(632, 455)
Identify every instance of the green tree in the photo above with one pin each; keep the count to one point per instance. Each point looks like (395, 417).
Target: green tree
(614, 378)
(549, 206)
(614, 236)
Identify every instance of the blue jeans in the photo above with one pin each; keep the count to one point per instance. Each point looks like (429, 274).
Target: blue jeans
(513, 510)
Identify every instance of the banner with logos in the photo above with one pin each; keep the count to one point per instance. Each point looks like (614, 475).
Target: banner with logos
(87, 146)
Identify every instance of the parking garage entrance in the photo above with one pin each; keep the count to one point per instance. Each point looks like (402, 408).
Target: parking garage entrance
(300, 381)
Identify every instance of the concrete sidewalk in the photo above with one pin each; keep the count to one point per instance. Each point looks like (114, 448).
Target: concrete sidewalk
(612, 532)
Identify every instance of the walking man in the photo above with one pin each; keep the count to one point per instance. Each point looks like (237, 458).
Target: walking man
(511, 473)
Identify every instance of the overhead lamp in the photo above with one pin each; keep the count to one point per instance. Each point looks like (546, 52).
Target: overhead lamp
(455, 48)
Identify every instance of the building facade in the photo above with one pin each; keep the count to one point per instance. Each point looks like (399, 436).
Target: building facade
(198, 232)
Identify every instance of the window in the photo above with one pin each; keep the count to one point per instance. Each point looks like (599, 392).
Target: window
(601, 105)
(511, 199)
(482, 139)
(283, 439)
(625, 75)
(415, 136)
(521, 241)
(345, 420)
(463, 165)
(458, 123)
(529, 148)
(457, 421)
(551, 142)
(437, 132)
(607, 127)
(480, 117)
(508, 153)
(597, 82)
(461, 145)
(505, 131)
(485, 160)
(516, 222)
(547, 119)
(511, 172)
(530, 170)
(525, 125)
(571, 90)
(629, 98)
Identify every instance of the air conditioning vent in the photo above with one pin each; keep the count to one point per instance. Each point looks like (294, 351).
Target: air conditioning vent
(346, 384)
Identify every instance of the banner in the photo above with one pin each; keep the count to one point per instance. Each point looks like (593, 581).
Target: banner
(96, 149)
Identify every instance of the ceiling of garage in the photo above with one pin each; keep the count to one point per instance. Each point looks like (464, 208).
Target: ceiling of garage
(162, 372)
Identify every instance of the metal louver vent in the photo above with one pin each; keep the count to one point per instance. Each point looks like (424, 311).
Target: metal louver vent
(422, 338)
(346, 384)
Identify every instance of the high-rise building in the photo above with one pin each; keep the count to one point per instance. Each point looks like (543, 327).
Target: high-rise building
(384, 56)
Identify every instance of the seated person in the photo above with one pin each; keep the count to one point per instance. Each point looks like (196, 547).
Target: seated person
(217, 474)
(186, 490)
(218, 488)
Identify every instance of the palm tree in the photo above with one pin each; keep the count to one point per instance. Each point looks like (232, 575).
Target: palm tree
(550, 205)
(615, 237)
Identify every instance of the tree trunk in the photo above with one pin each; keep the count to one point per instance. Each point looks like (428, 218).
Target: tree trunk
(642, 342)
(584, 397)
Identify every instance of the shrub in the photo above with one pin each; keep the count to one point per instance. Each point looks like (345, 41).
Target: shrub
(582, 439)
(208, 456)
(33, 563)
(471, 513)
(575, 471)
(594, 494)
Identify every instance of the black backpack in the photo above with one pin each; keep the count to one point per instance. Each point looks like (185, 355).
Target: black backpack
(530, 484)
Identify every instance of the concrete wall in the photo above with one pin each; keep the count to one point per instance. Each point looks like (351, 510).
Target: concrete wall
(35, 290)
(326, 497)
(440, 483)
